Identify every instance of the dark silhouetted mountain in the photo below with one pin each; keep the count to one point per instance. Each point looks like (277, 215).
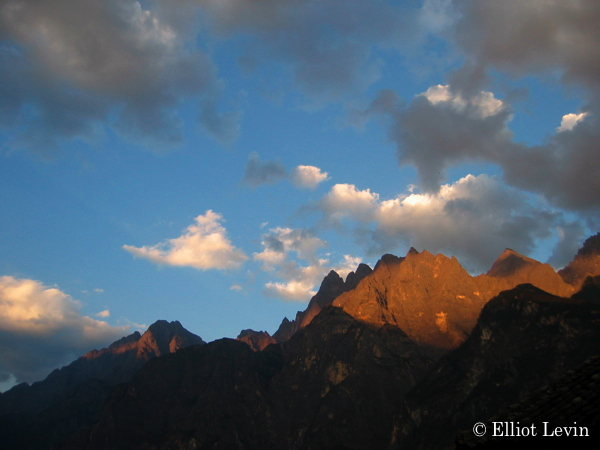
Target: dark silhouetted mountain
(402, 356)
(341, 382)
(257, 340)
(586, 263)
(524, 339)
(79, 389)
(574, 398)
(590, 289)
(335, 384)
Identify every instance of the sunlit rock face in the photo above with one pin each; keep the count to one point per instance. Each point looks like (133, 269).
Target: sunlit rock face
(586, 263)
(511, 269)
(524, 338)
(257, 340)
(75, 393)
(433, 299)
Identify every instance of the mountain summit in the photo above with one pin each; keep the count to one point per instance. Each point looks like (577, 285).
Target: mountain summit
(84, 385)
(433, 299)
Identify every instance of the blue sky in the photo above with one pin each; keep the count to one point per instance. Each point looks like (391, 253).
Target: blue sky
(210, 161)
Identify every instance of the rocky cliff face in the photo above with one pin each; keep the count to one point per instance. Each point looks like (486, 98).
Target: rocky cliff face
(524, 338)
(78, 390)
(586, 263)
(433, 299)
(331, 287)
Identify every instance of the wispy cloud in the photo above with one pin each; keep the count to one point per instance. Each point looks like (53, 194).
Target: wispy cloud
(204, 245)
(293, 256)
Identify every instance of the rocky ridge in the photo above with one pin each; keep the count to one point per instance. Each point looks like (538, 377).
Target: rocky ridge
(378, 360)
(433, 298)
(48, 406)
(310, 392)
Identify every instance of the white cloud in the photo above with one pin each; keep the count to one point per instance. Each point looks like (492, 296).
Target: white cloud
(569, 121)
(42, 328)
(292, 256)
(308, 176)
(474, 219)
(483, 104)
(204, 246)
(345, 200)
(295, 290)
(104, 314)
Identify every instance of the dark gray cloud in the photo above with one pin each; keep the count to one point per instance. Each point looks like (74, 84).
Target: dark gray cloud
(566, 169)
(571, 236)
(326, 47)
(533, 36)
(71, 67)
(443, 127)
(450, 124)
(258, 172)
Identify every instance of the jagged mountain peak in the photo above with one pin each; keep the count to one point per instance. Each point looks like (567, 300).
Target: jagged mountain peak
(164, 337)
(388, 260)
(257, 340)
(591, 246)
(163, 326)
(355, 277)
(509, 262)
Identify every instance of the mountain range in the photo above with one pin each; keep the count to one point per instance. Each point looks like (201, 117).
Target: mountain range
(404, 355)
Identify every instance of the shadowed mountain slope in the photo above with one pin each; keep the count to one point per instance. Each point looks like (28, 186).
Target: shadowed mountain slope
(331, 287)
(72, 396)
(311, 392)
(524, 338)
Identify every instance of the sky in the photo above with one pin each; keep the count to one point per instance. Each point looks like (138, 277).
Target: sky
(210, 161)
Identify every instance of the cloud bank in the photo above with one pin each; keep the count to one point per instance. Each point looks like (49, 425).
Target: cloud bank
(473, 219)
(76, 67)
(41, 328)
